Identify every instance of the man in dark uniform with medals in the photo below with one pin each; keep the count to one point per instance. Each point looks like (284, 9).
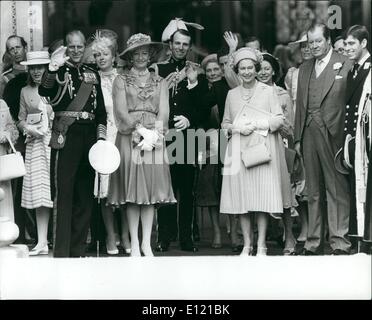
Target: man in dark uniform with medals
(185, 93)
(80, 119)
(353, 157)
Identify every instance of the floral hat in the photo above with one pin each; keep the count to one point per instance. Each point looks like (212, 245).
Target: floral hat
(139, 40)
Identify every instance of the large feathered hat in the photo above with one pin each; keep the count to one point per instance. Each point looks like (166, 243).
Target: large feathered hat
(175, 25)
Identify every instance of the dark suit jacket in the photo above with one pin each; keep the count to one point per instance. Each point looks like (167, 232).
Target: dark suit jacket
(333, 97)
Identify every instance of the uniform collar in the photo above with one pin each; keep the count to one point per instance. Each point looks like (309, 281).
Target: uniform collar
(178, 63)
(364, 59)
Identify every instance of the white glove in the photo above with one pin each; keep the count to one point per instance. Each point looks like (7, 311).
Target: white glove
(58, 58)
(34, 131)
(149, 136)
(145, 146)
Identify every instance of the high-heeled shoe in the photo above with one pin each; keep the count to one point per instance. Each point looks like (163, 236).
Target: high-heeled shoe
(147, 251)
(261, 251)
(39, 251)
(290, 251)
(246, 251)
(127, 249)
(135, 253)
(112, 252)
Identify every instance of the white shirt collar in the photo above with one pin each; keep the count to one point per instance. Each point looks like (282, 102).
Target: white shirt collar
(327, 57)
(364, 58)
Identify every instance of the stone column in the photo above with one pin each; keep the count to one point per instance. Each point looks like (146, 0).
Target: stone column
(24, 18)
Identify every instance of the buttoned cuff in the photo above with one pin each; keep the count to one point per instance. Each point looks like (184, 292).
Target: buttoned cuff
(49, 79)
(101, 132)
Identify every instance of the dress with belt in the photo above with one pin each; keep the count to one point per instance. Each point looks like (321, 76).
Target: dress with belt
(143, 177)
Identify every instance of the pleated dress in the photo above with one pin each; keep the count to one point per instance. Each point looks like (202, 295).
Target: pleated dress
(263, 188)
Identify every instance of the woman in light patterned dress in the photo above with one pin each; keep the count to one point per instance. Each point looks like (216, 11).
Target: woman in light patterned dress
(141, 110)
(35, 117)
(104, 48)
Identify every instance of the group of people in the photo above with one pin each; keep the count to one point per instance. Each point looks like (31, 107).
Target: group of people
(232, 135)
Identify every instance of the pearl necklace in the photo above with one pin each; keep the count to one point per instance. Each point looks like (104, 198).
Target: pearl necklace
(248, 94)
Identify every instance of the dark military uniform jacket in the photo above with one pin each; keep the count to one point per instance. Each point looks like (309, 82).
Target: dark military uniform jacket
(354, 88)
(62, 86)
(183, 101)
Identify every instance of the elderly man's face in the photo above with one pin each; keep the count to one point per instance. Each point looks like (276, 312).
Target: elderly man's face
(16, 50)
(75, 48)
(318, 44)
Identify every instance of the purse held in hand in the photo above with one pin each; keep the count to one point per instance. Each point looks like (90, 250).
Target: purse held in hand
(11, 165)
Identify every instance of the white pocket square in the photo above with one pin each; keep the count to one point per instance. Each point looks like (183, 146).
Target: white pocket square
(338, 77)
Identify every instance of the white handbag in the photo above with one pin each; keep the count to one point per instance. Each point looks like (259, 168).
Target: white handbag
(11, 165)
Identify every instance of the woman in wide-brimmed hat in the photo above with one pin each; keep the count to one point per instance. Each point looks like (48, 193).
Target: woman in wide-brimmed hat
(35, 117)
(141, 111)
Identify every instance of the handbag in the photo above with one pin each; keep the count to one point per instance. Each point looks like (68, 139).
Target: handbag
(255, 155)
(34, 118)
(11, 165)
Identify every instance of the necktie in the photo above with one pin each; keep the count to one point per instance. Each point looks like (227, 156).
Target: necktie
(318, 67)
(355, 69)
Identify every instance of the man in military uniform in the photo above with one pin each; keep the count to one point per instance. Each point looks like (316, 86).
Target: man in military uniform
(185, 94)
(80, 119)
(16, 48)
(354, 154)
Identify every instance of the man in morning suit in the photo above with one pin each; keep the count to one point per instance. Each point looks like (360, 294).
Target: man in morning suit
(75, 93)
(318, 134)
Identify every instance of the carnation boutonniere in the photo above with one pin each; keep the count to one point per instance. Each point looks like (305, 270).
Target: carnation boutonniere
(337, 66)
(367, 65)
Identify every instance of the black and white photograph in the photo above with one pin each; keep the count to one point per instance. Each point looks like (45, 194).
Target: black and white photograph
(157, 151)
